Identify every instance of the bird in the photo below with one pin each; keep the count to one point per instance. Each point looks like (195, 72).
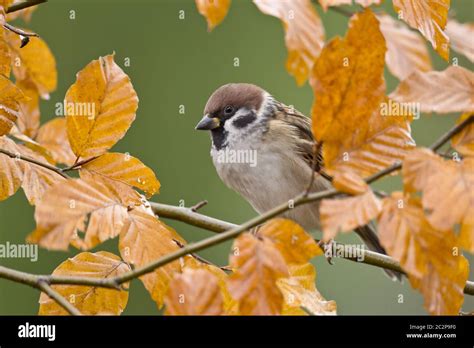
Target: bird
(244, 119)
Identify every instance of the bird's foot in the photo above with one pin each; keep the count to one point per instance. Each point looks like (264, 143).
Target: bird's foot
(327, 248)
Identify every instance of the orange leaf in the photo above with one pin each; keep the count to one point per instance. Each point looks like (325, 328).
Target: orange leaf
(87, 299)
(365, 3)
(349, 182)
(53, 136)
(345, 214)
(11, 174)
(194, 292)
(429, 17)
(214, 11)
(464, 140)
(304, 33)
(10, 98)
(100, 107)
(29, 117)
(426, 254)
(460, 35)
(450, 90)
(258, 265)
(5, 55)
(125, 169)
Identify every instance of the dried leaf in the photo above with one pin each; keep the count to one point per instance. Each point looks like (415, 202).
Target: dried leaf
(100, 107)
(406, 50)
(10, 98)
(125, 169)
(426, 254)
(460, 36)
(24, 14)
(418, 167)
(258, 265)
(5, 55)
(365, 3)
(34, 62)
(464, 140)
(299, 290)
(29, 117)
(87, 299)
(294, 243)
(345, 214)
(304, 33)
(450, 90)
(429, 17)
(53, 136)
(145, 239)
(194, 292)
(11, 174)
(350, 183)
(213, 10)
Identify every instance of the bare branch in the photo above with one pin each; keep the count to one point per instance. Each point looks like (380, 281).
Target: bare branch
(23, 5)
(58, 298)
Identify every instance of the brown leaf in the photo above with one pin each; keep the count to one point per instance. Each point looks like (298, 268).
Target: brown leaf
(349, 182)
(10, 98)
(87, 299)
(299, 290)
(34, 62)
(293, 242)
(11, 174)
(406, 50)
(125, 169)
(194, 292)
(53, 136)
(464, 140)
(29, 117)
(258, 265)
(425, 253)
(304, 33)
(450, 90)
(345, 214)
(418, 167)
(213, 10)
(100, 107)
(429, 17)
(145, 239)
(460, 36)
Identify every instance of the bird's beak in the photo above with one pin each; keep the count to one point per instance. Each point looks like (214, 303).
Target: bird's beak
(208, 123)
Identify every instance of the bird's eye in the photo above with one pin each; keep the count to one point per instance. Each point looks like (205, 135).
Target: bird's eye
(229, 109)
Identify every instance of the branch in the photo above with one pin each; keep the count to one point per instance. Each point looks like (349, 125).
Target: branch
(48, 290)
(23, 5)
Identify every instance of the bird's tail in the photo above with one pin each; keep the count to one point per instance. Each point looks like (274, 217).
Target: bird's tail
(368, 235)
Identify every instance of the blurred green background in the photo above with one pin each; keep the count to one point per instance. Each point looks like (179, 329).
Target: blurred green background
(177, 62)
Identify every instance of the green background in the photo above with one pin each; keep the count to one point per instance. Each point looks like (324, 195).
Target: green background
(177, 62)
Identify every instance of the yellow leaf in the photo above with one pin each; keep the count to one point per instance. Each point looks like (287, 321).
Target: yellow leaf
(406, 49)
(299, 290)
(87, 299)
(53, 136)
(349, 182)
(450, 90)
(213, 10)
(293, 242)
(11, 174)
(125, 169)
(429, 17)
(460, 36)
(5, 55)
(258, 265)
(34, 62)
(10, 98)
(100, 107)
(304, 33)
(29, 117)
(144, 239)
(464, 140)
(345, 214)
(194, 292)
(425, 253)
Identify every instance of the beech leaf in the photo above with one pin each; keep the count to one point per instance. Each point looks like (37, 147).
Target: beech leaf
(213, 10)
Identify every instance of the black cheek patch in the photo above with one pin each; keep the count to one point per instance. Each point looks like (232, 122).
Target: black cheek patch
(244, 121)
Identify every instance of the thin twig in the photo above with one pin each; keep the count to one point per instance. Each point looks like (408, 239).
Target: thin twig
(23, 5)
(199, 205)
(19, 31)
(58, 298)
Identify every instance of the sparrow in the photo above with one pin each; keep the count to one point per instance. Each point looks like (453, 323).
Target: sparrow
(245, 119)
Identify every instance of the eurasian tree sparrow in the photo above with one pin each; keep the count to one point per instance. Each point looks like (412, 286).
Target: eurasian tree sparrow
(243, 118)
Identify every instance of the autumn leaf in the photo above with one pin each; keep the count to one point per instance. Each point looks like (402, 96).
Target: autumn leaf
(100, 107)
(299, 290)
(34, 62)
(124, 169)
(29, 117)
(429, 17)
(145, 239)
(24, 14)
(361, 129)
(450, 90)
(10, 98)
(325, 4)
(460, 36)
(87, 299)
(5, 56)
(213, 10)
(11, 174)
(425, 253)
(349, 182)
(258, 265)
(406, 50)
(304, 33)
(464, 140)
(53, 136)
(64, 209)
(194, 292)
(345, 214)
(294, 243)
